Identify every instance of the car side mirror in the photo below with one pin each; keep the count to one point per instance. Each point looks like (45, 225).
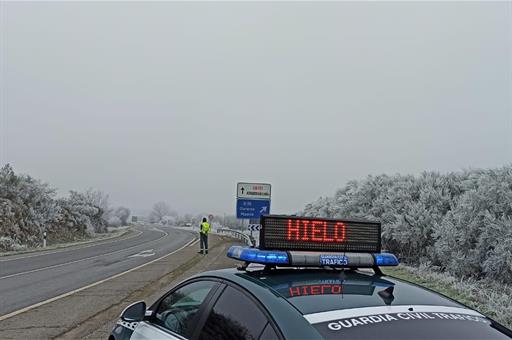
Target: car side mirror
(134, 312)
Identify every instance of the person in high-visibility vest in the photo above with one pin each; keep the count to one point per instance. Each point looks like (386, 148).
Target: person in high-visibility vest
(203, 236)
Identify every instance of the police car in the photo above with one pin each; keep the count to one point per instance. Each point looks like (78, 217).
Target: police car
(310, 278)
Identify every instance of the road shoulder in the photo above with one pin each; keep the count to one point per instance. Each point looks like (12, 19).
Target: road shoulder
(92, 311)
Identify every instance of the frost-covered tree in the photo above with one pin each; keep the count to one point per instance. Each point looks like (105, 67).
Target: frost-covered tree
(460, 222)
(28, 207)
(123, 214)
(160, 209)
(169, 220)
(114, 221)
(101, 200)
(80, 212)
(479, 228)
(228, 221)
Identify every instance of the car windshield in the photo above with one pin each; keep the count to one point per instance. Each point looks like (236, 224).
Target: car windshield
(313, 291)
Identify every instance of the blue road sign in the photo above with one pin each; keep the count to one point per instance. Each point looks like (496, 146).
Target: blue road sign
(246, 208)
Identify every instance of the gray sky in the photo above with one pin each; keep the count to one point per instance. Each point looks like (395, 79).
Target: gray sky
(179, 101)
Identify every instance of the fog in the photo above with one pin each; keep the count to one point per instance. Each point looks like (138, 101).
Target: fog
(180, 101)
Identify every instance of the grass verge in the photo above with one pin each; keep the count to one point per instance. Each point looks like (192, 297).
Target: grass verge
(491, 298)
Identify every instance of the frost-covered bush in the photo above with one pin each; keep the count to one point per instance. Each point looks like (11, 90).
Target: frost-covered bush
(460, 222)
(122, 214)
(479, 228)
(7, 244)
(160, 209)
(78, 212)
(28, 207)
(114, 221)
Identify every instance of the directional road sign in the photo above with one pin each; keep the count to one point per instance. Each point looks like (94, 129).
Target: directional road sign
(255, 191)
(252, 208)
(254, 227)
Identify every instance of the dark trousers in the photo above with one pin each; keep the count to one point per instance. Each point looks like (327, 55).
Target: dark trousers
(203, 241)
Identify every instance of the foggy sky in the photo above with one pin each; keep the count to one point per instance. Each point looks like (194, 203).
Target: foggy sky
(179, 101)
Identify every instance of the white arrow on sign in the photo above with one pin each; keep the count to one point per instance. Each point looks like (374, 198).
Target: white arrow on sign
(254, 227)
(144, 253)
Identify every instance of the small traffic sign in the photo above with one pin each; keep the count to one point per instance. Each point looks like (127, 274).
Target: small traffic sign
(256, 191)
(254, 227)
(252, 208)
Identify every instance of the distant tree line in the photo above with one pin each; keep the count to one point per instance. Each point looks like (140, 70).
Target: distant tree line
(459, 222)
(163, 213)
(28, 207)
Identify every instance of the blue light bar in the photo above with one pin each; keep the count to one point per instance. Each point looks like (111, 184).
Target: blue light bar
(311, 259)
(255, 255)
(385, 260)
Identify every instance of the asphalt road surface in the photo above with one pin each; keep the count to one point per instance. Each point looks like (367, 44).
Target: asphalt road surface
(32, 278)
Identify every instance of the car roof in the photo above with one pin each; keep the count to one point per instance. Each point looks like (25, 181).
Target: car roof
(319, 290)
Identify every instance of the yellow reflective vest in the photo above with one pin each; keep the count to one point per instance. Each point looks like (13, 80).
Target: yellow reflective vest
(205, 227)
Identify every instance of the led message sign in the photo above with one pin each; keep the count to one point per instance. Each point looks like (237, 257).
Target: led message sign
(324, 287)
(319, 234)
(314, 290)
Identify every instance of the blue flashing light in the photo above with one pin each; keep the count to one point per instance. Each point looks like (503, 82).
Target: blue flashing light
(385, 260)
(258, 256)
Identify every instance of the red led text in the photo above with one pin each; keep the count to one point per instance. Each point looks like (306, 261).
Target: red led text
(316, 231)
(315, 290)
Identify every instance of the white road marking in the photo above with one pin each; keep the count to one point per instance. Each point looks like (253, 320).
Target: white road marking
(195, 242)
(70, 248)
(144, 253)
(39, 304)
(365, 311)
(81, 260)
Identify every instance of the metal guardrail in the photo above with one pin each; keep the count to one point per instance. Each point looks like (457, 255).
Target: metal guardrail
(237, 234)
(248, 240)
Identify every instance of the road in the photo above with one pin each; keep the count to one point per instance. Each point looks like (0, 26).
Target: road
(32, 278)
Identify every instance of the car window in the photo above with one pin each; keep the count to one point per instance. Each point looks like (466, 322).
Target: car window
(178, 310)
(269, 333)
(234, 316)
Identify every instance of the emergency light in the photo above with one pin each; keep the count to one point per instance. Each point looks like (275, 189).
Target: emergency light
(258, 256)
(311, 259)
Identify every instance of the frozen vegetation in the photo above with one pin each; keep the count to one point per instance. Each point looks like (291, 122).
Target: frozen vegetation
(28, 207)
(455, 228)
(457, 222)
(490, 297)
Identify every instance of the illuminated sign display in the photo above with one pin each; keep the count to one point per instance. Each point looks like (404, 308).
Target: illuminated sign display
(314, 290)
(313, 234)
(325, 287)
